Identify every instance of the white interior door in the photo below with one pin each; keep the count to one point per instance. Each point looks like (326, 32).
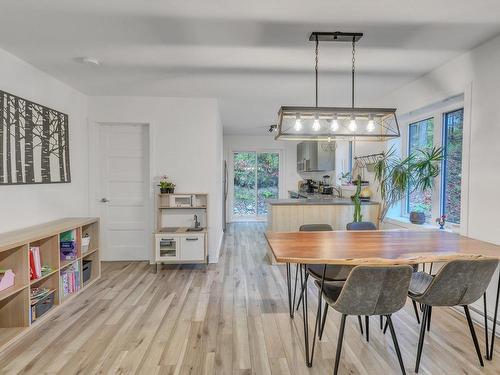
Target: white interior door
(124, 176)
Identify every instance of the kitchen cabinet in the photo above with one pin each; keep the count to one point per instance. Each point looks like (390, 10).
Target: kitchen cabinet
(167, 247)
(180, 248)
(193, 247)
(313, 156)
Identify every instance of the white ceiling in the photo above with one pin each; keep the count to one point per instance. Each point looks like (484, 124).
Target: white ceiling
(252, 55)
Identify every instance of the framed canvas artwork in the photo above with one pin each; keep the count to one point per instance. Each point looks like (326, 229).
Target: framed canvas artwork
(34, 143)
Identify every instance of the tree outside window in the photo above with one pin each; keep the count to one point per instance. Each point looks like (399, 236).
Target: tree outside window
(421, 137)
(452, 165)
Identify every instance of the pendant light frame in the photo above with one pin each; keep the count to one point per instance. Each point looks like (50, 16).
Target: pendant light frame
(384, 119)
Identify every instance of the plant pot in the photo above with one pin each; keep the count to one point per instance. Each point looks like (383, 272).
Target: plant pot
(170, 190)
(164, 190)
(417, 217)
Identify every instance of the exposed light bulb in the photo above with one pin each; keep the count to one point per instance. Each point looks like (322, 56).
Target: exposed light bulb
(371, 125)
(316, 126)
(352, 125)
(298, 124)
(334, 126)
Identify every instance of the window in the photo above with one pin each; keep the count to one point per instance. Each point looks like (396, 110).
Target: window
(452, 165)
(256, 179)
(440, 126)
(420, 137)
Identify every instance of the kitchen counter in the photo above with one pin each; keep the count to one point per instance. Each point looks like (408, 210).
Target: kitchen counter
(315, 199)
(287, 215)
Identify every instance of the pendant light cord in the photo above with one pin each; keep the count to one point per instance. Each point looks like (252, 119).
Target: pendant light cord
(316, 68)
(353, 67)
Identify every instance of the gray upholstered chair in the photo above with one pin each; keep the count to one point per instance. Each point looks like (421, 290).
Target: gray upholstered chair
(458, 283)
(333, 273)
(364, 225)
(361, 225)
(369, 290)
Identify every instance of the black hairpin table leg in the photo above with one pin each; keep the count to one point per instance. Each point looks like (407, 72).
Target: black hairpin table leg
(289, 290)
(490, 355)
(305, 319)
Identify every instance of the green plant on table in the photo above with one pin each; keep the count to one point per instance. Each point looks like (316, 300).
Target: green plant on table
(398, 176)
(356, 198)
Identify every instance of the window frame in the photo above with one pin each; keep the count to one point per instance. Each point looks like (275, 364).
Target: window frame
(438, 114)
(407, 200)
(443, 163)
(230, 178)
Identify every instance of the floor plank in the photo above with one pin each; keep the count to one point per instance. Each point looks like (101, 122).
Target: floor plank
(227, 318)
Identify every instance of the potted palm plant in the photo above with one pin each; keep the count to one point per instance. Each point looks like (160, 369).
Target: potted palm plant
(398, 176)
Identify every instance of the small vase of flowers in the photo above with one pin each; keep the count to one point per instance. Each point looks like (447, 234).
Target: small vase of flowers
(441, 221)
(166, 186)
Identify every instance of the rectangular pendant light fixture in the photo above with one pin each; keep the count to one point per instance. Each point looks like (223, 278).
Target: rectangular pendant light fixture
(336, 123)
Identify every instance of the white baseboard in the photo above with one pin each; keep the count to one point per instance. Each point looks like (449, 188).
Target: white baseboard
(219, 249)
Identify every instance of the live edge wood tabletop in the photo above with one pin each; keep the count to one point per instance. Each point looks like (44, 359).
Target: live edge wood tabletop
(376, 247)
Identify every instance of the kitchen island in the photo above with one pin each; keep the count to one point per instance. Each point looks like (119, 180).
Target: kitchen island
(287, 215)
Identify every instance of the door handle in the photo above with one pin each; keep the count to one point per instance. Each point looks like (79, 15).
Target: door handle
(192, 239)
(104, 200)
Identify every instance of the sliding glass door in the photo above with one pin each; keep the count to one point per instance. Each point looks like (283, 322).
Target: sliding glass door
(256, 178)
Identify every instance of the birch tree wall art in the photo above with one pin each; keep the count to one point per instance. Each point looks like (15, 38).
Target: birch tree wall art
(34, 143)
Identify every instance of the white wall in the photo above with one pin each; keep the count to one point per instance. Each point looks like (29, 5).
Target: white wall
(186, 145)
(24, 205)
(476, 74)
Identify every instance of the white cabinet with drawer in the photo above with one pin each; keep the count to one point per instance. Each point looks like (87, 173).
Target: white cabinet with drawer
(167, 247)
(193, 247)
(180, 248)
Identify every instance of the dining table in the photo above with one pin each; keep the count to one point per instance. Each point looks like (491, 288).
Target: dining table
(382, 247)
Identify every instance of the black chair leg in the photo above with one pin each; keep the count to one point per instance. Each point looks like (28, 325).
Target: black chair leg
(416, 311)
(422, 335)
(303, 288)
(339, 344)
(429, 319)
(360, 324)
(381, 322)
(386, 326)
(396, 345)
(486, 338)
(325, 312)
(367, 328)
(473, 334)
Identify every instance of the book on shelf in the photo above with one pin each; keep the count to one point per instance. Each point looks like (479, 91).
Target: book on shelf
(70, 280)
(35, 263)
(68, 245)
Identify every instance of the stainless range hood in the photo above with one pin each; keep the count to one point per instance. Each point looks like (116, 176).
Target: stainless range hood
(315, 156)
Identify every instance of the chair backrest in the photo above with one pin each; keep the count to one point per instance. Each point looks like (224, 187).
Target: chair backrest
(315, 228)
(459, 282)
(361, 225)
(374, 290)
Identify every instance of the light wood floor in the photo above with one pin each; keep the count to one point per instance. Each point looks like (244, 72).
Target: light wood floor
(229, 318)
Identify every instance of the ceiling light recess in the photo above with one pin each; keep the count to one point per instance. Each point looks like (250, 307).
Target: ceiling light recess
(346, 123)
(87, 60)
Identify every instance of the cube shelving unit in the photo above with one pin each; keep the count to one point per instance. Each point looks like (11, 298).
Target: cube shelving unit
(15, 302)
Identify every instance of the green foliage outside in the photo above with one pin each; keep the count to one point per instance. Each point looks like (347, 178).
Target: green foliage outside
(453, 165)
(251, 169)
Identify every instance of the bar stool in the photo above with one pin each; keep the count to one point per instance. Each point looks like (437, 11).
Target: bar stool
(458, 283)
